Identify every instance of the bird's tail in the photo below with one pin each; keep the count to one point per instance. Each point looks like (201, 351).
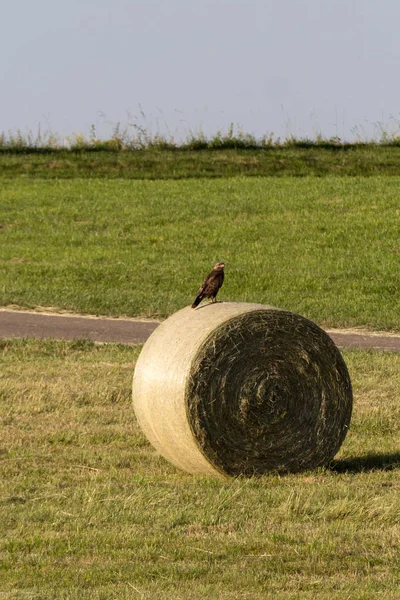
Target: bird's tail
(197, 301)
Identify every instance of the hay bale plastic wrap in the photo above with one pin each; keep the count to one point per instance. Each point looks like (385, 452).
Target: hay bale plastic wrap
(242, 389)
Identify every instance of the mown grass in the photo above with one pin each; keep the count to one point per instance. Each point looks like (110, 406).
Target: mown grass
(327, 248)
(88, 510)
(297, 159)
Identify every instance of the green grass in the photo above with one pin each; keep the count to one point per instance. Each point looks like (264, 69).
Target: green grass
(88, 510)
(296, 159)
(327, 248)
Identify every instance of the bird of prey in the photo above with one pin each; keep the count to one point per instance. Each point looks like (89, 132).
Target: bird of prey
(211, 284)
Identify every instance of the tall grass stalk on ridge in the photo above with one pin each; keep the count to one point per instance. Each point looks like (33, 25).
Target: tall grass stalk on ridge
(139, 136)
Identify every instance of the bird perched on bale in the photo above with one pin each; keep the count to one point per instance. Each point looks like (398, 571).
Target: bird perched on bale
(211, 284)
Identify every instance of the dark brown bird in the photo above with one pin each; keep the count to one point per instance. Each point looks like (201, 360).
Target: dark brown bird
(211, 284)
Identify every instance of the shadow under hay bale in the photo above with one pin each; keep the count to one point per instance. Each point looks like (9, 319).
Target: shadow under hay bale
(242, 389)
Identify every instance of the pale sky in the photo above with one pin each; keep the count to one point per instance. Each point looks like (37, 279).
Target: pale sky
(299, 67)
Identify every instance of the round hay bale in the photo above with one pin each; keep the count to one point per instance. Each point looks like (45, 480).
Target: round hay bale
(242, 389)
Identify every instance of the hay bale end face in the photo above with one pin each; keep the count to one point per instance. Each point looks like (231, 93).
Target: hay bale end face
(242, 389)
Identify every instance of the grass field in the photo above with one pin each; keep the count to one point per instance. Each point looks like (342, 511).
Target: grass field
(88, 510)
(327, 248)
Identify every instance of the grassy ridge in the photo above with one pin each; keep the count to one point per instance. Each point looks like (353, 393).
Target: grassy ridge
(294, 160)
(88, 510)
(327, 248)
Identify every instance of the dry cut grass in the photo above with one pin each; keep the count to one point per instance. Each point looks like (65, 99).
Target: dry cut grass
(88, 510)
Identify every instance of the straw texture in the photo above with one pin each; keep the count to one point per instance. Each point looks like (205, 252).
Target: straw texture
(242, 389)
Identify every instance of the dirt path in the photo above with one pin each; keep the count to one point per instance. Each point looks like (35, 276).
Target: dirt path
(18, 324)
(73, 327)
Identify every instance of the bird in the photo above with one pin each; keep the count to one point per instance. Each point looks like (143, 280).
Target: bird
(211, 284)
